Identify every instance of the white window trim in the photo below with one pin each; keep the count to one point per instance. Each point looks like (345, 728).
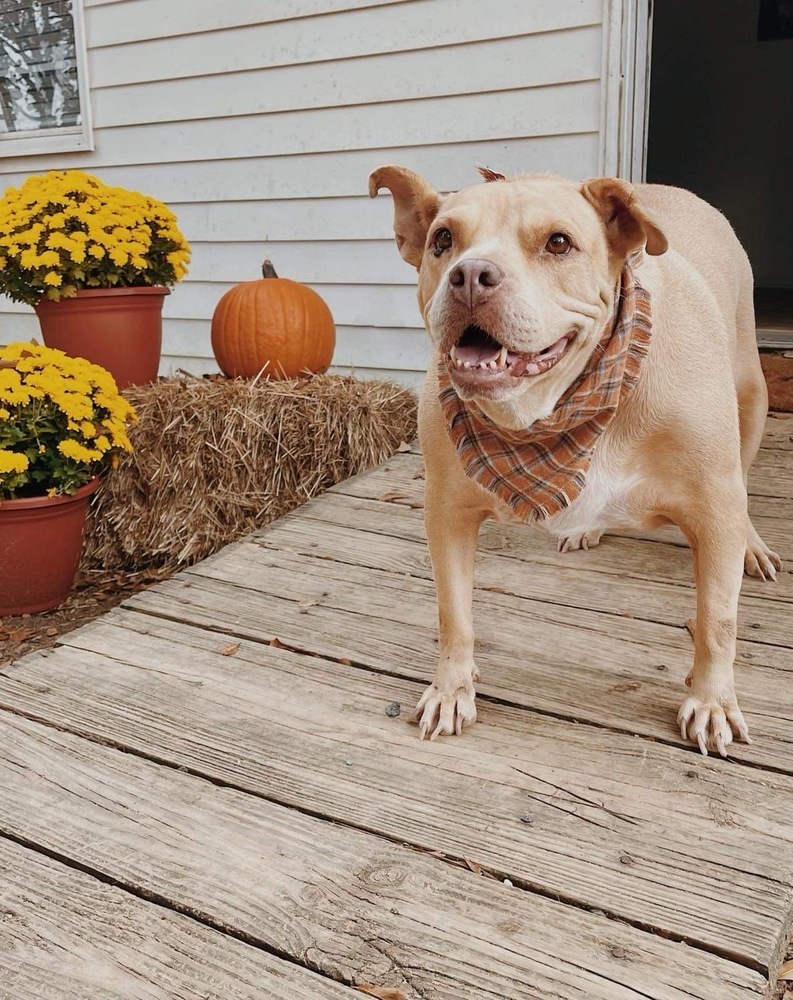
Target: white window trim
(627, 34)
(70, 139)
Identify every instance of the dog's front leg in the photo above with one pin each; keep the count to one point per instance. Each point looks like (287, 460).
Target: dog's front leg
(452, 530)
(710, 715)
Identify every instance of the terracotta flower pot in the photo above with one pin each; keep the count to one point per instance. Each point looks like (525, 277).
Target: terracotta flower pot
(117, 328)
(40, 543)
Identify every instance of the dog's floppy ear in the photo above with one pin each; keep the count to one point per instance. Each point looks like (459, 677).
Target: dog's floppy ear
(627, 224)
(415, 206)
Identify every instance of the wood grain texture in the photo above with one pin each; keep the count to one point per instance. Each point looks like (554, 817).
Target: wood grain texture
(64, 935)
(345, 902)
(760, 618)
(622, 556)
(614, 823)
(611, 670)
(770, 515)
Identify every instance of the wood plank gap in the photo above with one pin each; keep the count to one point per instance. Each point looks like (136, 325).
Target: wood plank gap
(261, 540)
(157, 899)
(453, 860)
(481, 696)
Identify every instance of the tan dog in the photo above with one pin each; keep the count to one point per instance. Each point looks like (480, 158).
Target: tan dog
(532, 265)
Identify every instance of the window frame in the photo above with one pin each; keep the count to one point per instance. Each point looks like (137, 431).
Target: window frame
(70, 138)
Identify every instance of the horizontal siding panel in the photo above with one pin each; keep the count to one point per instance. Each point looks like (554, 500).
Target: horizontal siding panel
(422, 24)
(332, 175)
(366, 346)
(351, 305)
(187, 341)
(175, 364)
(172, 365)
(138, 20)
(17, 322)
(557, 110)
(410, 380)
(366, 262)
(408, 350)
(511, 64)
(303, 219)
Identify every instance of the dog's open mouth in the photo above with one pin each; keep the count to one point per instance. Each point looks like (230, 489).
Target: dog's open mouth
(478, 354)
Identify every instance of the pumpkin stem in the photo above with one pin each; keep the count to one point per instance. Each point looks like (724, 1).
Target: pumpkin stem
(268, 271)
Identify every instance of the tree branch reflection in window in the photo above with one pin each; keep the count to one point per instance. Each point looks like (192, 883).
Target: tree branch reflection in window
(38, 66)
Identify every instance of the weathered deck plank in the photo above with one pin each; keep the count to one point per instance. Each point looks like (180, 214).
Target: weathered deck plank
(563, 583)
(348, 903)
(602, 668)
(64, 935)
(616, 823)
(615, 555)
(326, 837)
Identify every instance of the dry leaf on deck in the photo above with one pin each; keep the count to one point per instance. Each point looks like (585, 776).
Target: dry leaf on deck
(474, 867)
(392, 495)
(303, 606)
(416, 505)
(383, 992)
(230, 650)
(275, 641)
(786, 972)
(403, 446)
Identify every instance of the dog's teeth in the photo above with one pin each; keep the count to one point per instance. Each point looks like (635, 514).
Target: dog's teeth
(466, 364)
(502, 357)
(494, 365)
(453, 354)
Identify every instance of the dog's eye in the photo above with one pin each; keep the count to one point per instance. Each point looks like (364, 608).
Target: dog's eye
(558, 243)
(441, 241)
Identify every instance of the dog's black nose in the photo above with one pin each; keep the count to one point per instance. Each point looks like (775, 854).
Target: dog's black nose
(474, 279)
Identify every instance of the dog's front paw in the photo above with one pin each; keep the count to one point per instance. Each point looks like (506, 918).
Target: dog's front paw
(583, 540)
(712, 723)
(444, 709)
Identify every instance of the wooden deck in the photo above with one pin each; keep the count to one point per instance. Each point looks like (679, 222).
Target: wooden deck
(202, 794)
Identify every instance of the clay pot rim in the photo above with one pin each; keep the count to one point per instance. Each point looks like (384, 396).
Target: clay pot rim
(30, 503)
(98, 293)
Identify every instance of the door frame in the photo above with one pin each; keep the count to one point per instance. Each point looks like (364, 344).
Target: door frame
(625, 105)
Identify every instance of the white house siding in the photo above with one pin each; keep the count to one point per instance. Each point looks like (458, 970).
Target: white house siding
(259, 122)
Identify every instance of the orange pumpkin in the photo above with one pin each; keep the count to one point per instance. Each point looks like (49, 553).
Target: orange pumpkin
(274, 326)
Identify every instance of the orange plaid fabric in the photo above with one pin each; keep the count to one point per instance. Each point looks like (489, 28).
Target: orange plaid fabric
(539, 471)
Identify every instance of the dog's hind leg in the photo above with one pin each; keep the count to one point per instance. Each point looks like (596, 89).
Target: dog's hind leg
(759, 560)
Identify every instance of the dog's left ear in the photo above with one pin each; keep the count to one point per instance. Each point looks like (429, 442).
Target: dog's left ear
(627, 224)
(416, 204)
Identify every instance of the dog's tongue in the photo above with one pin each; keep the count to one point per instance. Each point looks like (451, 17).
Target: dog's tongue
(474, 353)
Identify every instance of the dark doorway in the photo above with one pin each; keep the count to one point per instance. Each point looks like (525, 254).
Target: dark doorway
(721, 125)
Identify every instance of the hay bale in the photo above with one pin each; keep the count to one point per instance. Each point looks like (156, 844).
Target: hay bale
(216, 458)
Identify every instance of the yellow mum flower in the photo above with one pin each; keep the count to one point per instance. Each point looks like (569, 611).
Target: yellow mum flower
(74, 450)
(51, 278)
(97, 251)
(10, 461)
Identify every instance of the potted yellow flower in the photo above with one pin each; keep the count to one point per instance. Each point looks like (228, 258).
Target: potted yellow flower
(95, 262)
(62, 420)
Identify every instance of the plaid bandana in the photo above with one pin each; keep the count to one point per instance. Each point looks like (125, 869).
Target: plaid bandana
(540, 471)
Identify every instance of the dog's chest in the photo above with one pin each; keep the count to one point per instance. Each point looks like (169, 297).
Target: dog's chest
(607, 502)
